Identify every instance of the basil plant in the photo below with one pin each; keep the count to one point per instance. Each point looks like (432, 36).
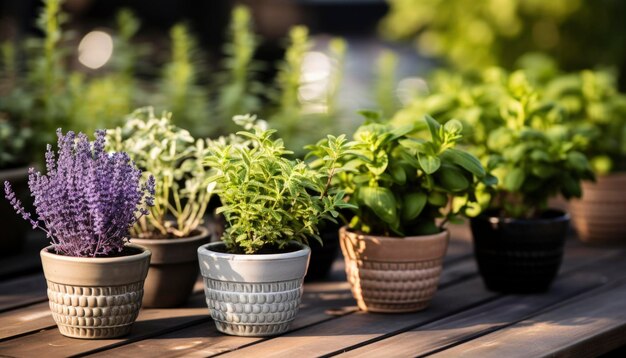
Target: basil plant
(403, 186)
(176, 160)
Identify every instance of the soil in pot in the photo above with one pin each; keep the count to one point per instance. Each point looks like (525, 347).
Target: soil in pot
(95, 298)
(253, 295)
(599, 216)
(173, 269)
(519, 255)
(393, 275)
(15, 230)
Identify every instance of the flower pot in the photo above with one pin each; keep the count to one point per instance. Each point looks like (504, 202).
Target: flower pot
(173, 269)
(519, 255)
(95, 297)
(253, 295)
(323, 255)
(13, 238)
(390, 274)
(599, 216)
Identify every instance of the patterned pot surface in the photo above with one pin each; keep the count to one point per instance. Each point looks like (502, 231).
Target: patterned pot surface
(94, 298)
(599, 216)
(389, 274)
(253, 295)
(173, 269)
(519, 256)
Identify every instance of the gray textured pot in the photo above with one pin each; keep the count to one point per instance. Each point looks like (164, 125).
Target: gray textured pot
(93, 298)
(173, 269)
(253, 295)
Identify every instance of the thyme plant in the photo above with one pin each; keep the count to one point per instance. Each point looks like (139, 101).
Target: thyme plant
(269, 200)
(175, 159)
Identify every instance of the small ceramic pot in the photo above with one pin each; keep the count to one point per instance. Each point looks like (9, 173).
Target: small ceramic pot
(323, 255)
(519, 255)
(173, 269)
(599, 216)
(93, 298)
(14, 238)
(253, 295)
(393, 274)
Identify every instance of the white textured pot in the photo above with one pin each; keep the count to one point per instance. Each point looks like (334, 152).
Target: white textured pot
(253, 295)
(94, 298)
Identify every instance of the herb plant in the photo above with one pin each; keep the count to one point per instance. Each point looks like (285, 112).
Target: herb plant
(175, 159)
(88, 199)
(402, 185)
(269, 200)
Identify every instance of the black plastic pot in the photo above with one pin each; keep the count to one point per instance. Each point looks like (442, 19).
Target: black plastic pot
(13, 226)
(323, 256)
(519, 255)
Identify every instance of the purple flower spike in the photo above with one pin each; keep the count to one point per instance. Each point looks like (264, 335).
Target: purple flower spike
(88, 200)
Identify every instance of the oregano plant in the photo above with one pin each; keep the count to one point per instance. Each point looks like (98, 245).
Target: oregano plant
(268, 199)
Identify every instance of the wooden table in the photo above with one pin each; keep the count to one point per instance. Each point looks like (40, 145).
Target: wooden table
(584, 314)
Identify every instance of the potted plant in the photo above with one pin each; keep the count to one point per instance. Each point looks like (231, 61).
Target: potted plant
(86, 203)
(14, 168)
(272, 206)
(173, 232)
(518, 240)
(405, 190)
(597, 112)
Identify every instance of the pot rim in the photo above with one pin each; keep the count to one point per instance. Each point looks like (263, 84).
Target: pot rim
(347, 229)
(204, 232)
(135, 257)
(205, 250)
(563, 216)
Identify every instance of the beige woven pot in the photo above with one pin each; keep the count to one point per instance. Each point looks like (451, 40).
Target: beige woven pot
(391, 274)
(94, 298)
(599, 217)
(173, 269)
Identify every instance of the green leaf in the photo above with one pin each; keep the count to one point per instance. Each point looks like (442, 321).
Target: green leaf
(414, 203)
(433, 127)
(578, 161)
(452, 178)
(429, 163)
(398, 174)
(514, 179)
(381, 201)
(380, 163)
(371, 116)
(464, 160)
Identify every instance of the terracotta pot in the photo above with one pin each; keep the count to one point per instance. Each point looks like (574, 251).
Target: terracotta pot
(253, 295)
(519, 255)
(14, 228)
(173, 269)
(390, 274)
(95, 297)
(599, 216)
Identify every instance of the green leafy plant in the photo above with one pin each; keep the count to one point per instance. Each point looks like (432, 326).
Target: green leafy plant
(401, 185)
(522, 135)
(269, 200)
(176, 161)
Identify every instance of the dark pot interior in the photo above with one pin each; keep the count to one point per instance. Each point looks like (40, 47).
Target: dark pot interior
(517, 255)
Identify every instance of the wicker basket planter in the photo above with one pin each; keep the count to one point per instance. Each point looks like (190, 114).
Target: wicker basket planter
(389, 274)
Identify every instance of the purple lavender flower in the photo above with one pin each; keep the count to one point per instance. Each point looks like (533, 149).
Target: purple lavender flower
(89, 199)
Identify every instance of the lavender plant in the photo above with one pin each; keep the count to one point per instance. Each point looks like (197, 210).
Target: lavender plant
(88, 200)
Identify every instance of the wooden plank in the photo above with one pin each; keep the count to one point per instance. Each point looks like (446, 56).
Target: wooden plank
(361, 328)
(25, 320)
(478, 321)
(22, 292)
(322, 301)
(583, 328)
(149, 323)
